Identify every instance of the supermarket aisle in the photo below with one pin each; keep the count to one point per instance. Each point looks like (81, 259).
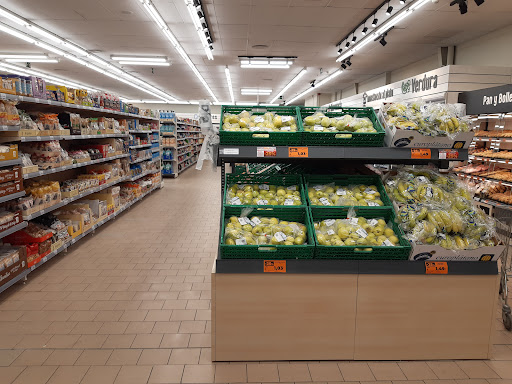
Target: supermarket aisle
(132, 305)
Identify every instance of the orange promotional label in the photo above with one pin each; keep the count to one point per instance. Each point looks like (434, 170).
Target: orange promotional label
(436, 267)
(278, 266)
(298, 152)
(421, 153)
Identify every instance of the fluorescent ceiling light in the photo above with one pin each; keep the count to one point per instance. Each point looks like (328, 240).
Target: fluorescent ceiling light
(86, 58)
(16, 33)
(140, 58)
(392, 21)
(32, 60)
(49, 78)
(230, 85)
(255, 91)
(198, 25)
(294, 80)
(18, 56)
(12, 17)
(318, 85)
(155, 63)
(145, 101)
(167, 32)
(265, 62)
(42, 32)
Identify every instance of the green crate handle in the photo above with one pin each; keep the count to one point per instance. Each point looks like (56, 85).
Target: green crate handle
(261, 135)
(267, 248)
(343, 136)
(364, 251)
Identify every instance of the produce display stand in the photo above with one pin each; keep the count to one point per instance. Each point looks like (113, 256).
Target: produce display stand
(318, 309)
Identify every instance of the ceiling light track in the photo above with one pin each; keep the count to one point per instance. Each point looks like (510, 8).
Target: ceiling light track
(162, 25)
(289, 85)
(198, 16)
(315, 85)
(390, 21)
(78, 54)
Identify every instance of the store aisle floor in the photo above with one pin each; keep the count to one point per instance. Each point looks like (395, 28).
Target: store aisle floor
(131, 304)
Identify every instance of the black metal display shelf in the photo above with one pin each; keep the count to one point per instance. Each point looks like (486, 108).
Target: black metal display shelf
(368, 267)
(382, 155)
(58, 106)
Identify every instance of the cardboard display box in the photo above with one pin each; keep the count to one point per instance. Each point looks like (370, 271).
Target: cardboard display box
(436, 252)
(11, 174)
(15, 221)
(30, 169)
(76, 218)
(413, 139)
(11, 155)
(11, 187)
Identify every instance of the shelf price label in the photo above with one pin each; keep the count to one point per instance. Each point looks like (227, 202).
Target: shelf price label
(436, 267)
(298, 152)
(448, 154)
(274, 266)
(421, 153)
(266, 151)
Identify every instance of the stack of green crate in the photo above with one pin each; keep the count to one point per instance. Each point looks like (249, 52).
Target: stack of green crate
(296, 213)
(342, 138)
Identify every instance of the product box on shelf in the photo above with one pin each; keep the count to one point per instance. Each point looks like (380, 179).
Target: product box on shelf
(17, 219)
(11, 187)
(77, 221)
(403, 138)
(107, 198)
(425, 252)
(11, 154)
(6, 85)
(56, 245)
(13, 174)
(98, 208)
(38, 87)
(13, 262)
(30, 169)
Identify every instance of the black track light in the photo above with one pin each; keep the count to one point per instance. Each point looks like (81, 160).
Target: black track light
(463, 6)
(200, 14)
(383, 41)
(402, 2)
(389, 10)
(343, 66)
(348, 62)
(374, 22)
(354, 38)
(348, 44)
(196, 3)
(210, 41)
(364, 31)
(340, 50)
(479, 2)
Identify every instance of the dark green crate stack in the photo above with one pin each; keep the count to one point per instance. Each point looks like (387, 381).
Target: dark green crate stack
(273, 252)
(342, 138)
(260, 137)
(346, 180)
(361, 252)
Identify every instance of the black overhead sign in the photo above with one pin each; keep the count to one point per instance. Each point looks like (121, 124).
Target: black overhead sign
(489, 100)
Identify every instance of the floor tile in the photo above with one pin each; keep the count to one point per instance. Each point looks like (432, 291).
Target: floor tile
(63, 357)
(32, 357)
(68, 375)
(325, 372)
(198, 374)
(262, 373)
(101, 375)
(35, 375)
(387, 371)
(293, 372)
(185, 356)
(230, 373)
(166, 374)
(9, 374)
(356, 371)
(133, 375)
(154, 357)
(447, 370)
(8, 356)
(416, 370)
(477, 370)
(94, 357)
(124, 357)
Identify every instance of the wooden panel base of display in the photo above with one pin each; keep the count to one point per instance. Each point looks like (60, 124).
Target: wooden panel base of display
(261, 317)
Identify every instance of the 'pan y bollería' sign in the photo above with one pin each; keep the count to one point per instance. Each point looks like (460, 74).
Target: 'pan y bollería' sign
(489, 100)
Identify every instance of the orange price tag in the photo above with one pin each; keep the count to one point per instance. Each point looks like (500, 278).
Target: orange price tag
(436, 267)
(421, 153)
(298, 152)
(278, 266)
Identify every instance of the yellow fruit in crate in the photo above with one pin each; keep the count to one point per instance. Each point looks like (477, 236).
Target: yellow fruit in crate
(393, 239)
(288, 243)
(299, 240)
(343, 234)
(388, 232)
(325, 122)
(274, 221)
(230, 241)
(291, 239)
(381, 222)
(281, 192)
(322, 239)
(233, 219)
(287, 230)
(350, 242)
(262, 239)
(278, 122)
(257, 230)
(378, 231)
(247, 227)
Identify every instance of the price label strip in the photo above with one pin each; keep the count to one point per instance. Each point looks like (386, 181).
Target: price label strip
(421, 153)
(274, 266)
(266, 151)
(298, 152)
(448, 154)
(436, 267)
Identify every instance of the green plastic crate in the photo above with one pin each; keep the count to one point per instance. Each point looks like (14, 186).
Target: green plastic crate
(352, 139)
(278, 180)
(344, 180)
(273, 252)
(399, 252)
(260, 137)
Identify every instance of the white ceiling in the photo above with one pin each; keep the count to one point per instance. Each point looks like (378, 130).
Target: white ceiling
(308, 29)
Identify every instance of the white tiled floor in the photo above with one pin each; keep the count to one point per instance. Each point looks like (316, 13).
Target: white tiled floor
(131, 304)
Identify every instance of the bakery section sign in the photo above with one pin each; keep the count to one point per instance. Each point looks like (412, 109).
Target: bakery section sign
(489, 100)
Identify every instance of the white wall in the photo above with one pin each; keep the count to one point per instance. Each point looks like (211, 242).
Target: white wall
(374, 82)
(494, 49)
(425, 65)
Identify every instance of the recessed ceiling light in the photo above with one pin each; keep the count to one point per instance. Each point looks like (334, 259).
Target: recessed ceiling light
(255, 91)
(154, 59)
(274, 62)
(148, 63)
(260, 46)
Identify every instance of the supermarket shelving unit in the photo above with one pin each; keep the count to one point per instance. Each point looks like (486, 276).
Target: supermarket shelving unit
(34, 104)
(367, 310)
(168, 126)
